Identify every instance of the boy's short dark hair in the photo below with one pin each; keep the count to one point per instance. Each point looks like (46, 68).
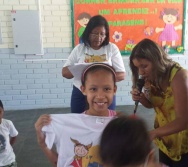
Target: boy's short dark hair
(1, 104)
(125, 141)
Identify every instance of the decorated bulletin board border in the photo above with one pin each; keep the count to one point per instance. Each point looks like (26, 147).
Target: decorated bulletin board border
(133, 20)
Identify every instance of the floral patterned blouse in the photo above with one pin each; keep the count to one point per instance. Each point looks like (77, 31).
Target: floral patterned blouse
(163, 102)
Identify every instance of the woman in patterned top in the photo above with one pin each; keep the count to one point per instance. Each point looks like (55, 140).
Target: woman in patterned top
(165, 90)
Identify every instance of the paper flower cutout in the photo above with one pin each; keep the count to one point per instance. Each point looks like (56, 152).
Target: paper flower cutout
(148, 31)
(180, 49)
(129, 45)
(117, 36)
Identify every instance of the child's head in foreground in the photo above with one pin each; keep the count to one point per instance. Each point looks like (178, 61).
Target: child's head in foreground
(125, 142)
(99, 85)
(1, 111)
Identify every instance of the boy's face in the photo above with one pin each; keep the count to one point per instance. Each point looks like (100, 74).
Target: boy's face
(1, 114)
(99, 89)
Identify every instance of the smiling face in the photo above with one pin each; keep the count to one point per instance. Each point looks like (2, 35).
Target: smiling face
(80, 151)
(99, 89)
(144, 67)
(169, 19)
(97, 37)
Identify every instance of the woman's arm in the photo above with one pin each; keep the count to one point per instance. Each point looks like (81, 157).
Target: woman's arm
(72, 59)
(66, 73)
(180, 93)
(120, 76)
(144, 101)
(42, 121)
(117, 62)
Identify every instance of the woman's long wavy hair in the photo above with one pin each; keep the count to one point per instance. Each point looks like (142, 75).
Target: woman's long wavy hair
(151, 51)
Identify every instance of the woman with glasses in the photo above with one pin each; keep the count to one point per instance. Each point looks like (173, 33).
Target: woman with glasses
(95, 48)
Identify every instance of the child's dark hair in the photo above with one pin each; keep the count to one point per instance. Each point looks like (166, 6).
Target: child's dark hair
(1, 104)
(125, 141)
(96, 67)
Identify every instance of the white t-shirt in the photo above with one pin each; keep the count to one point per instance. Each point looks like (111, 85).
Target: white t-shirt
(7, 129)
(76, 137)
(109, 54)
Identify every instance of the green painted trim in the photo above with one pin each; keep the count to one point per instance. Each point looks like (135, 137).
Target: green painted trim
(184, 23)
(125, 53)
(72, 21)
(170, 52)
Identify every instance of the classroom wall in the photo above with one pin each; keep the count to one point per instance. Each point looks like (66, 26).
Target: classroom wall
(35, 81)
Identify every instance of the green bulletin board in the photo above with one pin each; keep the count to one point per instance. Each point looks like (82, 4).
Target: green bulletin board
(133, 20)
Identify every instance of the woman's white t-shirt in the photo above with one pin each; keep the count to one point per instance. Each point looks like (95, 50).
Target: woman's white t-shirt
(109, 54)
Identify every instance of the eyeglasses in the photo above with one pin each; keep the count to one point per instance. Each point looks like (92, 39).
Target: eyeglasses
(98, 35)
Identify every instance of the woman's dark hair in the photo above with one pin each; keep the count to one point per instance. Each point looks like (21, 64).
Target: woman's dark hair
(125, 141)
(97, 67)
(151, 51)
(96, 21)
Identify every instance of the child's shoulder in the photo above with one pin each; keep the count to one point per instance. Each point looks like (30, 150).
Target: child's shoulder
(6, 121)
(6, 124)
(112, 113)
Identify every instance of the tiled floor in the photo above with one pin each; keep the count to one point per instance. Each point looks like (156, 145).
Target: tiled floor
(26, 148)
